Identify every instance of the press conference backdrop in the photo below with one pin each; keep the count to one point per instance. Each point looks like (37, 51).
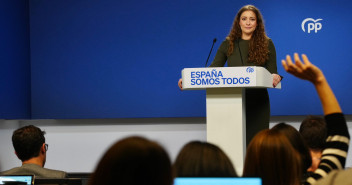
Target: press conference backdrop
(14, 60)
(122, 59)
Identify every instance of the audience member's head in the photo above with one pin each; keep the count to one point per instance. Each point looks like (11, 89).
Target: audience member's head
(297, 142)
(30, 148)
(134, 161)
(29, 142)
(314, 131)
(202, 159)
(271, 156)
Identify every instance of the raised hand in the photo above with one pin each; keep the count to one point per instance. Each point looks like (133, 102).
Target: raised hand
(304, 70)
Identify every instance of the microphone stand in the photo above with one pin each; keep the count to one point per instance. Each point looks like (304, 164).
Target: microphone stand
(210, 52)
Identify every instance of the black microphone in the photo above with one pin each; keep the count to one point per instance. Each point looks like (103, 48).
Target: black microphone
(210, 52)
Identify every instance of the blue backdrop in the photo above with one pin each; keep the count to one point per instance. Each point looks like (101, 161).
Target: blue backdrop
(15, 93)
(122, 59)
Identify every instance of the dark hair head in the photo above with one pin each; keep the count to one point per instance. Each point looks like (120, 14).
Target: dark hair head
(314, 131)
(258, 51)
(271, 157)
(27, 142)
(297, 142)
(133, 161)
(260, 20)
(202, 159)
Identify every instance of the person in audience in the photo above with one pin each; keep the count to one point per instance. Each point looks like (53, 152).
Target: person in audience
(30, 148)
(203, 159)
(314, 132)
(337, 177)
(272, 157)
(133, 161)
(298, 144)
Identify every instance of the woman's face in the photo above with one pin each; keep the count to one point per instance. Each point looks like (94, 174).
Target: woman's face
(248, 23)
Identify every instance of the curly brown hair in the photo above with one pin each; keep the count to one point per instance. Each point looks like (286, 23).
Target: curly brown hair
(258, 45)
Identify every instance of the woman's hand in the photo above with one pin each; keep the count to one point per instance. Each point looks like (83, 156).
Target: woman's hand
(276, 79)
(180, 83)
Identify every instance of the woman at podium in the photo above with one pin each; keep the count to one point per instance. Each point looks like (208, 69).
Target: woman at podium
(248, 45)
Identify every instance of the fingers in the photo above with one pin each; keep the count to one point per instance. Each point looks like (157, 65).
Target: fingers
(276, 79)
(283, 62)
(296, 57)
(275, 82)
(289, 65)
(304, 70)
(298, 61)
(286, 63)
(180, 83)
(305, 59)
(289, 60)
(296, 67)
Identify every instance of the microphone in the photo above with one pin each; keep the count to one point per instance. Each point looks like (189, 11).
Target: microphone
(210, 52)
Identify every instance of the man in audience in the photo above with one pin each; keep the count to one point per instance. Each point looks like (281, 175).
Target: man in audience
(30, 148)
(314, 132)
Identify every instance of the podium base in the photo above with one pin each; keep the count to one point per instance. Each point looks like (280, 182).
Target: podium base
(226, 118)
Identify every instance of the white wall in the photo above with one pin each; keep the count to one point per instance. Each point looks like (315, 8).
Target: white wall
(77, 145)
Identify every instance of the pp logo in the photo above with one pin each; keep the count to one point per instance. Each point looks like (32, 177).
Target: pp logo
(312, 25)
(250, 70)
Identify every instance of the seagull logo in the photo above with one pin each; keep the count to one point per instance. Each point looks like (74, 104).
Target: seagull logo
(316, 25)
(250, 70)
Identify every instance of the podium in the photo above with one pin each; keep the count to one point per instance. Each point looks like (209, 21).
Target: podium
(225, 104)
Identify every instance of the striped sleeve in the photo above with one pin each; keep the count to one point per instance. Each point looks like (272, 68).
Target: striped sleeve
(336, 147)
